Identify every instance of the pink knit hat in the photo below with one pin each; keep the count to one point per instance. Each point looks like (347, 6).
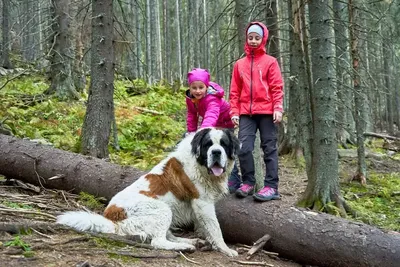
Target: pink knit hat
(199, 75)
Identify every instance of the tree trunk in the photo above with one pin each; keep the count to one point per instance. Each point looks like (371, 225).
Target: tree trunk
(148, 44)
(167, 51)
(78, 72)
(389, 95)
(359, 86)
(5, 54)
(241, 22)
(178, 75)
(62, 83)
(344, 117)
(28, 31)
(306, 237)
(323, 179)
(139, 28)
(100, 106)
(158, 46)
(272, 24)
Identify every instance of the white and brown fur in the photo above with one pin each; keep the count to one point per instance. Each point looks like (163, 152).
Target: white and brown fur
(181, 190)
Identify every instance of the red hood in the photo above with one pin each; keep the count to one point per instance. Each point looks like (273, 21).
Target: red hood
(260, 49)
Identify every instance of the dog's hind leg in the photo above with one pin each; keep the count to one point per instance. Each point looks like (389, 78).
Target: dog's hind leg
(161, 231)
(152, 219)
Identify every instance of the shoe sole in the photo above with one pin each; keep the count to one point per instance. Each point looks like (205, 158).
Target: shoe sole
(242, 194)
(263, 199)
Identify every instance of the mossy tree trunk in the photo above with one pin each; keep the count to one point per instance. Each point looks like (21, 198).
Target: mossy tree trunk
(100, 107)
(323, 179)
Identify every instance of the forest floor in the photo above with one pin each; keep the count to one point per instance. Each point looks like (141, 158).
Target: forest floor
(49, 245)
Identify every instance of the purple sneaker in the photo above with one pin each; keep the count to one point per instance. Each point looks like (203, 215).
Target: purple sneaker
(244, 190)
(267, 193)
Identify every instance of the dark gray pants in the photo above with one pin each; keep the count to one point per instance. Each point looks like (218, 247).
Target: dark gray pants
(248, 126)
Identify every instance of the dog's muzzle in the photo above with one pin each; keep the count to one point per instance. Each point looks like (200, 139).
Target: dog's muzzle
(216, 167)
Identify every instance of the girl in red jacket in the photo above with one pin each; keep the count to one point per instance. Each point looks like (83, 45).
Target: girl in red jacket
(206, 107)
(256, 103)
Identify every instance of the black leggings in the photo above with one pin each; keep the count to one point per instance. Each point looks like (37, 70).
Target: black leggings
(248, 126)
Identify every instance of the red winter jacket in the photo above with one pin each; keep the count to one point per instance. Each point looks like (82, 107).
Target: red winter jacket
(212, 108)
(257, 85)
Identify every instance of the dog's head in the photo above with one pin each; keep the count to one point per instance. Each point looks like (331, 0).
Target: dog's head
(215, 149)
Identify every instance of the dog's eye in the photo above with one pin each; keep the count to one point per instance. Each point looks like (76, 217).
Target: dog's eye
(224, 143)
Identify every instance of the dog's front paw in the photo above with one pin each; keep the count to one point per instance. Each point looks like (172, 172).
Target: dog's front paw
(229, 252)
(187, 248)
(203, 245)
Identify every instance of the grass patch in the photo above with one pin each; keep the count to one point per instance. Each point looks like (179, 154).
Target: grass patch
(90, 201)
(379, 202)
(15, 205)
(18, 242)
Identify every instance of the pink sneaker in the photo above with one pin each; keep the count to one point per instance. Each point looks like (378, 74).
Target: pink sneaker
(267, 193)
(244, 190)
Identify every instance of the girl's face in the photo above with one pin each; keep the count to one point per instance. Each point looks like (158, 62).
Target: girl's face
(254, 39)
(198, 89)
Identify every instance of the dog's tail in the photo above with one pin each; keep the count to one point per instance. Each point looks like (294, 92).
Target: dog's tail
(86, 221)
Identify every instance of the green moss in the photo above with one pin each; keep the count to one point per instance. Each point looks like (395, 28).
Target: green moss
(29, 254)
(15, 205)
(91, 201)
(18, 242)
(379, 202)
(107, 243)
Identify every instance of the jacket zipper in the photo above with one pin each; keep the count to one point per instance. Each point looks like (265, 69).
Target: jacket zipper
(251, 81)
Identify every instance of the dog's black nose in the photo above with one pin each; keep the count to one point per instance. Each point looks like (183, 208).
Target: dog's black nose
(216, 152)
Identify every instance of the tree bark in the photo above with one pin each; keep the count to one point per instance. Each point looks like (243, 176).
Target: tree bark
(62, 83)
(323, 178)
(357, 44)
(5, 57)
(35, 163)
(304, 236)
(344, 117)
(100, 106)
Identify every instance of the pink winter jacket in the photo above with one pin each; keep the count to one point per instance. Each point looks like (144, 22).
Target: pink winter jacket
(213, 108)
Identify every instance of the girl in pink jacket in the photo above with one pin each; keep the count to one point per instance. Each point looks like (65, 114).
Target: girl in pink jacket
(206, 107)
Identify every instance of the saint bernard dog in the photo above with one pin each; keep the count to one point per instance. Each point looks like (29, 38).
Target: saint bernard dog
(181, 190)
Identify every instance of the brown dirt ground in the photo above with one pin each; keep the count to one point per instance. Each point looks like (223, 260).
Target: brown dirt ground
(52, 246)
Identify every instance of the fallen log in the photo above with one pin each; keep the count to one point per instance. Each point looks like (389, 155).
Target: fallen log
(383, 136)
(304, 236)
(48, 167)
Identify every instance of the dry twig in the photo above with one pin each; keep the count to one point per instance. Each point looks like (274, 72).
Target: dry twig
(259, 244)
(2, 208)
(41, 234)
(189, 260)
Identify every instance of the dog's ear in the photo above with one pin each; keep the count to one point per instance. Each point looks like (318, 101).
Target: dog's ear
(234, 141)
(196, 142)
